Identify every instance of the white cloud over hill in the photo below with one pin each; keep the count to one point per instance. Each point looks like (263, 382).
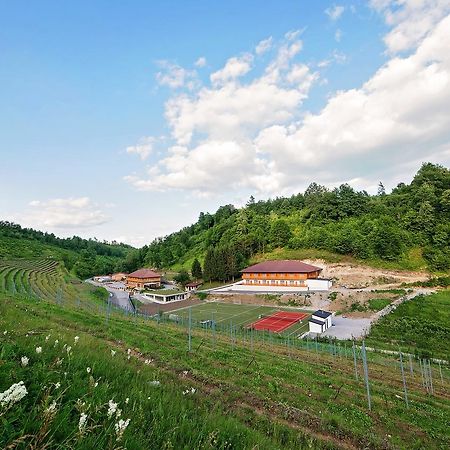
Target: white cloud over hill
(251, 132)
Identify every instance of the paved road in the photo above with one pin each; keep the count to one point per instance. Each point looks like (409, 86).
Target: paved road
(117, 297)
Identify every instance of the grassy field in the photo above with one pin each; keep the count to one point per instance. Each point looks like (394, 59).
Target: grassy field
(421, 325)
(216, 397)
(226, 314)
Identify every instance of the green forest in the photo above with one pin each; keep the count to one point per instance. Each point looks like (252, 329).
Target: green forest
(406, 228)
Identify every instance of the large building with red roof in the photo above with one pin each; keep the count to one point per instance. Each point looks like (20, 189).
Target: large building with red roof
(139, 279)
(285, 273)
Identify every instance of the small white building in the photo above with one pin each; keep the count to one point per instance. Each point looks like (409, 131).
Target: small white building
(103, 279)
(193, 286)
(165, 296)
(320, 321)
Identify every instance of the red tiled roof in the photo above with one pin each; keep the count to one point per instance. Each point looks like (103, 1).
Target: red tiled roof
(144, 273)
(194, 284)
(282, 266)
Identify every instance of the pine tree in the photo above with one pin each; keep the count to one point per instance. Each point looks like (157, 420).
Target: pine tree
(196, 269)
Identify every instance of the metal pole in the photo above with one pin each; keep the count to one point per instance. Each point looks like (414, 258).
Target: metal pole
(354, 360)
(190, 329)
(421, 372)
(366, 375)
(440, 372)
(404, 381)
(430, 377)
(411, 365)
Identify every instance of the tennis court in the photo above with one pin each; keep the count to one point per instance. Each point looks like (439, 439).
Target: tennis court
(279, 321)
(226, 314)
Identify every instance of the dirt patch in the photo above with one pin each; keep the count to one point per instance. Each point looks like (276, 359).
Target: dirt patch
(359, 276)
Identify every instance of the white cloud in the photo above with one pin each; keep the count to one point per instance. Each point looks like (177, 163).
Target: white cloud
(254, 135)
(175, 76)
(264, 46)
(65, 213)
(410, 20)
(338, 35)
(234, 68)
(143, 148)
(201, 62)
(335, 12)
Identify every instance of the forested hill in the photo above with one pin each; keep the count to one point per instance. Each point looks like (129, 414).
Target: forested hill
(411, 222)
(85, 257)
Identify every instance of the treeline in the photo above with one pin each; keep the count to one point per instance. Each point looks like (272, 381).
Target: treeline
(385, 226)
(86, 257)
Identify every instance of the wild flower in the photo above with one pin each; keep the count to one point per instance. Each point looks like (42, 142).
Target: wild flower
(118, 413)
(129, 351)
(5, 332)
(56, 342)
(88, 369)
(38, 350)
(82, 422)
(59, 361)
(96, 384)
(24, 361)
(126, 401)
(148, 361)
(112, 408)
(68, 349)
(64, 346)
(154, 383)
(120, 428)
(51, 409)
(57, 385)
(190, 391)
(47, 338)
(76, 339)
(185, 372)
(113, 352)
(13, 394)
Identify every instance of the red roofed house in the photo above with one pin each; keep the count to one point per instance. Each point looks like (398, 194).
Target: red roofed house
(287, 273)
(143, 278)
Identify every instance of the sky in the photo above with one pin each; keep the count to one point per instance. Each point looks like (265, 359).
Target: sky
(124, 120)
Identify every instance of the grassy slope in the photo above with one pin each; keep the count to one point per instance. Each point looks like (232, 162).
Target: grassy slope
(420, 325)
(244, 399)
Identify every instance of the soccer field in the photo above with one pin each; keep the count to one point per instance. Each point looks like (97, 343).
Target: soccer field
(226, 314)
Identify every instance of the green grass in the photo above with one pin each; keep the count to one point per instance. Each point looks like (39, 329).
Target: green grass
(377, 304)
(262, 397)
(420, 325)
(226, 315)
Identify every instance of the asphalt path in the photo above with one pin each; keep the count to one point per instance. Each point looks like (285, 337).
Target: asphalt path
(116, 296)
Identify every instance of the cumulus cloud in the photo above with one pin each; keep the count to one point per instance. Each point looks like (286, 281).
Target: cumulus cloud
(201, 62)
(175, 76)
(234, 68)
(143, 148)
(410, 21)
(255, 135)
(264, 46)
(335, 12)
(60, 213)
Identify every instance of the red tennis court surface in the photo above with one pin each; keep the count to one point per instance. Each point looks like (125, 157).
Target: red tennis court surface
(278, 321)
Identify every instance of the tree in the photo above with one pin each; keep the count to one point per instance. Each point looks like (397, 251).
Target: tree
(182, 278)
(381, 189)
(280, 233)
(196, 269)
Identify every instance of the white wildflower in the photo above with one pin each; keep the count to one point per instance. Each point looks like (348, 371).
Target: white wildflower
(129, 351)
(38, 350)
(57, 385)
(51, 409)
(96, 384)
(113, 352)
(112, 408)
(148, 361)
(120, 427)
(47, 337)
(64, 346)
(5, 332)
(69, 348)
(24, 360)
(155, 383)
(59, 361)
(82, 422)
(56, 342)
(88, 369)
(118, 413)
(185, 372)
(190, 391)
(14, 394)
(126, 401)
(76, 339)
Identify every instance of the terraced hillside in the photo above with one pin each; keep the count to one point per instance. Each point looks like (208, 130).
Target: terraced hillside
(46, 279)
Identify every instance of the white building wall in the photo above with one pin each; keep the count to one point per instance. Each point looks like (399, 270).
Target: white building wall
(314, 328)
(318, 284)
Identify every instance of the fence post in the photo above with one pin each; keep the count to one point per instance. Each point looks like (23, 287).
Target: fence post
(366, 375)
(354, 361)
(440, 372)
(190, 329)
(404, 381)
(430, 377)
(411, 365)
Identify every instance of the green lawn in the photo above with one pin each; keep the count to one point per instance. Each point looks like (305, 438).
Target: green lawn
(226, 314)
(420, 325)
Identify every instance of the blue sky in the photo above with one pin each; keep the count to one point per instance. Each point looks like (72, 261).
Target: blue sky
(124, 120)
